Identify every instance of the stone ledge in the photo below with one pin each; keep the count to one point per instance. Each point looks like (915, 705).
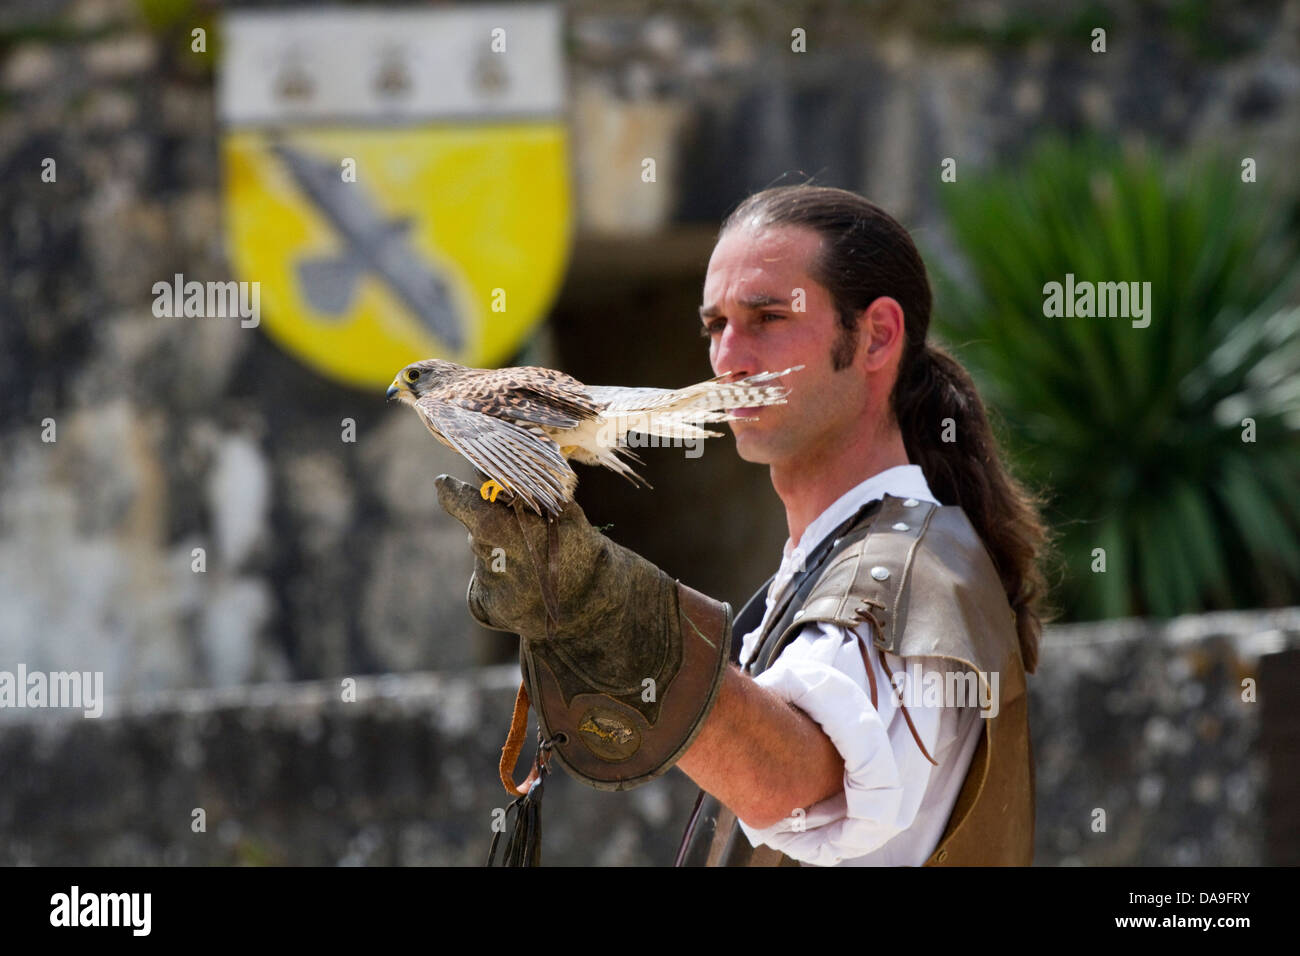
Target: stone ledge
(1140, 719)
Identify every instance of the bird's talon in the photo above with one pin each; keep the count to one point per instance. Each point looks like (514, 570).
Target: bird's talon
(491, 488)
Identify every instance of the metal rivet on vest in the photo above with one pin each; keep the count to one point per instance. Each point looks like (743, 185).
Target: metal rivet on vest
(910, 503)
(879, 573)
(834, 544)
(941, 856)
(900, 526)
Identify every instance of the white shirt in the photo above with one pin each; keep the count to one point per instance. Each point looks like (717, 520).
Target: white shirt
(895, 803)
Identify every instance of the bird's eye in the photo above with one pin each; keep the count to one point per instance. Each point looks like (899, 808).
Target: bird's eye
(412, 374)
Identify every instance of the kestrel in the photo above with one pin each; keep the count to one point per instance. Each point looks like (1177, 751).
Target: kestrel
(519, 426)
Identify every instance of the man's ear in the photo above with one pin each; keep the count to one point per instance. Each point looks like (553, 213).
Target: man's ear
(882, 327)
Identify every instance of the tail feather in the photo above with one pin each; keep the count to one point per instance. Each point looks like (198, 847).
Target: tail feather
(718, 395)
(703, 402)
(676, 413)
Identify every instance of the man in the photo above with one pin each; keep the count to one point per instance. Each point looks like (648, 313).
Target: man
(820, 748)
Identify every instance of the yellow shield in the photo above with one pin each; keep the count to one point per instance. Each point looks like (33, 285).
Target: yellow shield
(396, 181)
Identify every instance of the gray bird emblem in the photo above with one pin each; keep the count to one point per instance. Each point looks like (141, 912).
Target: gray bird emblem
(372, 243)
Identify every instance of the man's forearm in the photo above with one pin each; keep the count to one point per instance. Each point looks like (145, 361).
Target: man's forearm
(760, 756)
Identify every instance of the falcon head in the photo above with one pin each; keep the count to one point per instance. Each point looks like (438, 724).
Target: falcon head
(419, 378)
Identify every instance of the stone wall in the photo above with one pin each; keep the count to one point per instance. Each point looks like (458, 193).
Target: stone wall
(1146, 723)
(1166, 730)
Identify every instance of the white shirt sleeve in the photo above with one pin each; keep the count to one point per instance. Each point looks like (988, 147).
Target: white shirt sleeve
(886, 777)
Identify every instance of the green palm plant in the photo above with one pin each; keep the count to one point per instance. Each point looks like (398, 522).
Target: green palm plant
(1136, 435)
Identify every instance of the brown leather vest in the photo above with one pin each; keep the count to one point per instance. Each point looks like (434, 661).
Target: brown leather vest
(923, 578)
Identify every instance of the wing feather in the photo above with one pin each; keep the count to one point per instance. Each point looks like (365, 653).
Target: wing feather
(541, 396)
(523, 461)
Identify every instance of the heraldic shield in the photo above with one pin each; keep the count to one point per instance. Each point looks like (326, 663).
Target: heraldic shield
(397, 181)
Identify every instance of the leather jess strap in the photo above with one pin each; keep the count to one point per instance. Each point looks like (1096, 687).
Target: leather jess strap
(547, 581)
(514, 744)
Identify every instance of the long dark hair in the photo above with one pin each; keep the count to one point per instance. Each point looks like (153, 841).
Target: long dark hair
(866, 254)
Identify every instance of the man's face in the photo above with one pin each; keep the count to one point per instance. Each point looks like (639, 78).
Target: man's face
(750, 319)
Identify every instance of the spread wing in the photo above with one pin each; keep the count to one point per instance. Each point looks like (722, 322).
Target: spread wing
(522, 460)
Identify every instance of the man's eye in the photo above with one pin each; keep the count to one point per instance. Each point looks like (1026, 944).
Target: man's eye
(709, 330)
(766, 316)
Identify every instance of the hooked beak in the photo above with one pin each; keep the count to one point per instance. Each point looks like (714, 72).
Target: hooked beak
(394, 390)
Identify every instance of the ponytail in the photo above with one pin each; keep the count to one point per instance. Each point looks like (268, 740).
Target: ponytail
(947, 432)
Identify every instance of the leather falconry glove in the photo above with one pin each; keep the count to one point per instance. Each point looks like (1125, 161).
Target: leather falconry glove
(634, 659)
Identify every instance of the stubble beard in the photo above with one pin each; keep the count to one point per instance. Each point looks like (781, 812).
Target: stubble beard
(774, 450)
(844, 349)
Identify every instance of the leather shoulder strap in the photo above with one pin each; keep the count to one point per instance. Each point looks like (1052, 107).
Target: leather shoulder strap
(876, 570)
(750, 616)
(870, 564)
(792, 607)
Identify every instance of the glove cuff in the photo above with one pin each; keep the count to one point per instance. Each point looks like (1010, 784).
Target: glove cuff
(620, 742)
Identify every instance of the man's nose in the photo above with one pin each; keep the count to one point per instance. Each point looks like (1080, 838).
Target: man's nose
(732, 354)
